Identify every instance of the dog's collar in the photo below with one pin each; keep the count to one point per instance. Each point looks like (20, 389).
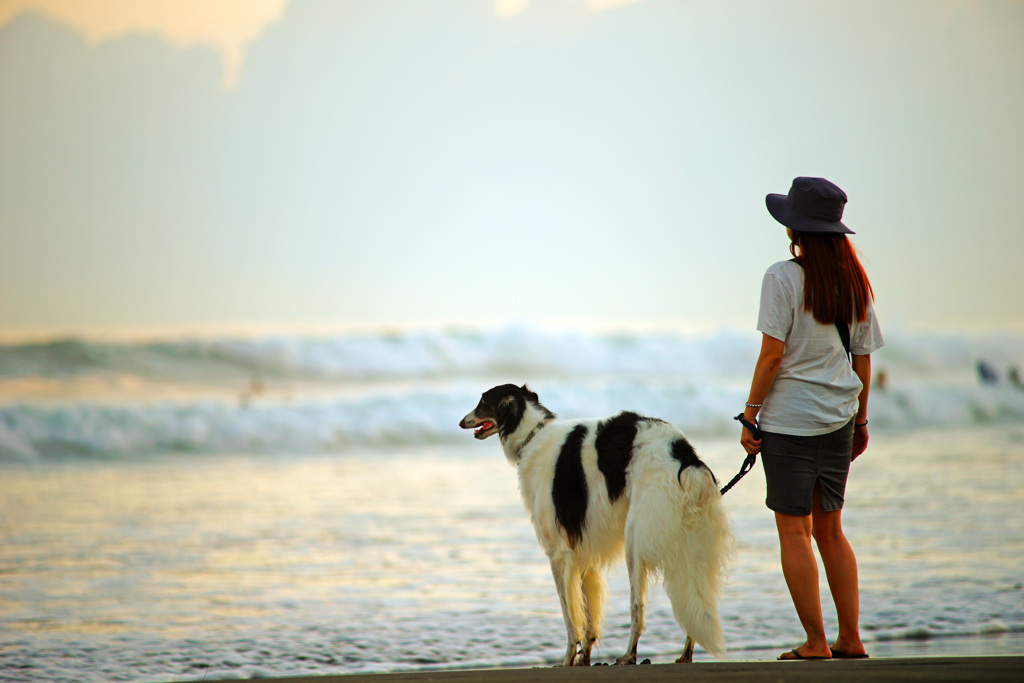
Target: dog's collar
(529, 437)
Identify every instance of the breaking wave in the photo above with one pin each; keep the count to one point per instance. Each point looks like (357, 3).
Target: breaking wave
(295, 394)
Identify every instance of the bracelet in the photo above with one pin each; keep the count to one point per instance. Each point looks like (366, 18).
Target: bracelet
(861, 424)
(754, 405)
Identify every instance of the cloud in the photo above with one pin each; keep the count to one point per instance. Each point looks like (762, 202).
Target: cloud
(608, 4)
(227, 26)
(510, 8)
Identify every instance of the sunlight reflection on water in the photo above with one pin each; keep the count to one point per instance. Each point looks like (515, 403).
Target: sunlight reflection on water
(369, 561)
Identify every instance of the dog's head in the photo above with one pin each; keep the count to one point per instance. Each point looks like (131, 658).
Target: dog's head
(499, 411)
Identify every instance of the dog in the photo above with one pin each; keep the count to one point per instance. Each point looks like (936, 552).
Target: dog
(595, 488)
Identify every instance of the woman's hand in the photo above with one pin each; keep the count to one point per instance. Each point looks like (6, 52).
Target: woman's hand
(751, 445)
(861, 366)
(860, 439)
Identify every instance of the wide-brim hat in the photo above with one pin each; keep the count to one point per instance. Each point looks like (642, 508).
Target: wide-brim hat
(812, 205)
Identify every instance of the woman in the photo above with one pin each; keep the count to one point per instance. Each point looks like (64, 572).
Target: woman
(811, 402)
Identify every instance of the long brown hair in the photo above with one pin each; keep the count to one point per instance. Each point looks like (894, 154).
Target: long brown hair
(836, 288)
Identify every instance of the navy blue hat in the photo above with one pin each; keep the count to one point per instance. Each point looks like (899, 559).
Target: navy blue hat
(812, 205)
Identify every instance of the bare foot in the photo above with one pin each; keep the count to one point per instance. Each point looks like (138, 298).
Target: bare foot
(804, 652)
(851, 650)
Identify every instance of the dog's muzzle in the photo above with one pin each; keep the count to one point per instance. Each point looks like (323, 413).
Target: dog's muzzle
(483, 427)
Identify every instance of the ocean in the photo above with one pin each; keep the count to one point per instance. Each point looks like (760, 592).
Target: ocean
(251, 506)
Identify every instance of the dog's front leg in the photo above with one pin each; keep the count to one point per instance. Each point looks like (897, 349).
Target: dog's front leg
(593, 603)
(567, 581)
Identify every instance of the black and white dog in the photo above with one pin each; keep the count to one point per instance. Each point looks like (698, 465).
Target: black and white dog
(594, 486)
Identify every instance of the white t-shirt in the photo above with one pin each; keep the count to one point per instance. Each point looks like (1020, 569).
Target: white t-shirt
(816, 389)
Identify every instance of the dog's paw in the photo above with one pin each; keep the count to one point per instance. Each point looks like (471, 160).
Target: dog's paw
(629, 660)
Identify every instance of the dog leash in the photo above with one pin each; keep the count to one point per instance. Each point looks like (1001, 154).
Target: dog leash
(751, 459)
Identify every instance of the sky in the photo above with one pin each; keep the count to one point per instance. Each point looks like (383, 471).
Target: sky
(300, 164)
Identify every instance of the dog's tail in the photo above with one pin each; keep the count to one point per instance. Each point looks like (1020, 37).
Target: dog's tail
(686, 534)
(703, 549)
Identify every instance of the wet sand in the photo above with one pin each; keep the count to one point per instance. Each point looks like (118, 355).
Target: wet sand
(924, 669)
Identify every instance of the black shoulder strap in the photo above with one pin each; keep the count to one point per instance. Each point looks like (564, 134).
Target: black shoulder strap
(844, 336)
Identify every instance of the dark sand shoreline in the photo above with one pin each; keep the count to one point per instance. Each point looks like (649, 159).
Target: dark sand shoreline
(944, 669)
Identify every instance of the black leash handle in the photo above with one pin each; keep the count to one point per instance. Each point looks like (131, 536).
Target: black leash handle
(751, 460)
(752, 426)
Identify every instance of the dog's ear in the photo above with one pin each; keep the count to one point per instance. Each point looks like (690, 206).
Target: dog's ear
(506, 408)
(530, 395)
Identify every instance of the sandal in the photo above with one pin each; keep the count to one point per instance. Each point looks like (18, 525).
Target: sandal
(796, 655)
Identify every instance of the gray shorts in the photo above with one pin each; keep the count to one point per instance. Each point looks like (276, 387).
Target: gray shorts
(792, 464)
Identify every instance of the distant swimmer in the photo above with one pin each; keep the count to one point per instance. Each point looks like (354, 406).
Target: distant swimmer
(255, 388)
(881, 380)
(987, 373)
(1013, 376)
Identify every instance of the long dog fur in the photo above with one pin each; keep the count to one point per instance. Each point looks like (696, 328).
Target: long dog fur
(594, 488)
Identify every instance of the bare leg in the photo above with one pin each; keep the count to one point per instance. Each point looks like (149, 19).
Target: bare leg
(687, 656)
(637, 596)
(800, 568)
(841, 571)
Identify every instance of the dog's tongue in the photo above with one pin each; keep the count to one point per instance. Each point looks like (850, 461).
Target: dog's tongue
(484, 427)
